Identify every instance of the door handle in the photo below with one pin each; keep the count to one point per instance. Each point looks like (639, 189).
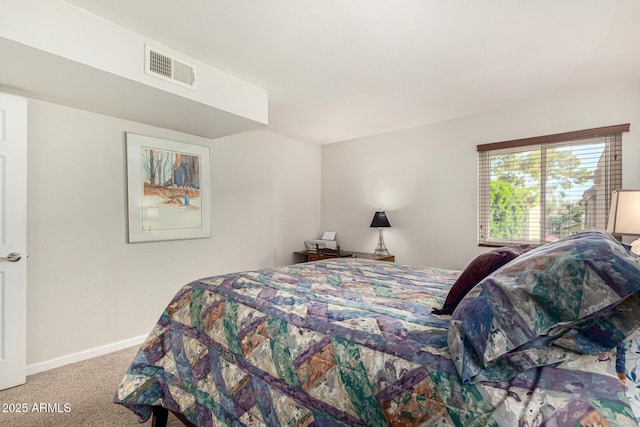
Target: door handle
(12, 257)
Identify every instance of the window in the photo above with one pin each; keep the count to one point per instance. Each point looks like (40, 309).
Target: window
(541, 189)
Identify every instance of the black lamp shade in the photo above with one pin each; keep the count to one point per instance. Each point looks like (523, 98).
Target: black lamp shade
(380, 220)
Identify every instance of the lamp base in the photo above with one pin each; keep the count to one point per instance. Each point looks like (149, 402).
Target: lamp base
(381, 249)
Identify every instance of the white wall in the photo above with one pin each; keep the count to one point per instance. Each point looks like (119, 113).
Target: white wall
(86, 286)
(425, 178)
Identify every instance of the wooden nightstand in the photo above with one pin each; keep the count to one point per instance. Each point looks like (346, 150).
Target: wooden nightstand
(364, 255)
(367, 255)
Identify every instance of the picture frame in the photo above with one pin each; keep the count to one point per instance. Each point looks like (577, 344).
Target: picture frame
(168, 189)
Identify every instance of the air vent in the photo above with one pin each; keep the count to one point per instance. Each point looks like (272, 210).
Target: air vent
(161, 64)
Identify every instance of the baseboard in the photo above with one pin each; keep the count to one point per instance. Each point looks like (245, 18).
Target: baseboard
(84, 355)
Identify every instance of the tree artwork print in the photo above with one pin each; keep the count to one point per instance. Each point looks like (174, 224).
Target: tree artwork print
(171, 196)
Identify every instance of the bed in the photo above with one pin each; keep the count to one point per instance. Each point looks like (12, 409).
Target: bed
(548, 338)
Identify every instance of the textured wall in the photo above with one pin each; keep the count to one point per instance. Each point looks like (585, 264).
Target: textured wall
(426, 177)
(86, 286)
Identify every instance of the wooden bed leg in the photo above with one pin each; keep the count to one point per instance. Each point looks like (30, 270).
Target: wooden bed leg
(160, 417)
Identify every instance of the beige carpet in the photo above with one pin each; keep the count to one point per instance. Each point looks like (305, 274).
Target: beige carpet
(86, 388)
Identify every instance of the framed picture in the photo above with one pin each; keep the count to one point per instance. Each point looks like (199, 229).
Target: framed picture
(168, 186)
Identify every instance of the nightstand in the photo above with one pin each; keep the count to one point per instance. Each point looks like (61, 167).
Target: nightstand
(363, 255)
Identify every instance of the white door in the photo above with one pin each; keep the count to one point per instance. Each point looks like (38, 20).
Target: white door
(13, 240)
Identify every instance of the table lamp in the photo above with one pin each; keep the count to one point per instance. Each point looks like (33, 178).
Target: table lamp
(624, 216)
(380, 220)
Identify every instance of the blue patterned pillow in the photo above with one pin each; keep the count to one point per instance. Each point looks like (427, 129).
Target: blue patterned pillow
(576, 295)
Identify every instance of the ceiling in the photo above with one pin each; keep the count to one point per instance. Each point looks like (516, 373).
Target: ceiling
(342, 69)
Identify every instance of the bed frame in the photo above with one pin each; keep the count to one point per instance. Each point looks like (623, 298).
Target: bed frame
(161, 415)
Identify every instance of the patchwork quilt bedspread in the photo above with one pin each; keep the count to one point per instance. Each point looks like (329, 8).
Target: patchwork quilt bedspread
(344, 342)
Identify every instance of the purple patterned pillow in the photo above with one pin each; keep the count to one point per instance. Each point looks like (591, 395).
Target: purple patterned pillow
(577, 295)
(482, 266)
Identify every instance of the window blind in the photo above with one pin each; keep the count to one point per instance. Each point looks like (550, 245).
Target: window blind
(540, 189)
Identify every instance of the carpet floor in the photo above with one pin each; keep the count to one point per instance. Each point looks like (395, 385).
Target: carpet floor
(80, 394)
